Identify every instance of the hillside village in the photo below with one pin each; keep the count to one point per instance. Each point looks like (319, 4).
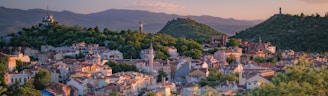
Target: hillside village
(84, 69)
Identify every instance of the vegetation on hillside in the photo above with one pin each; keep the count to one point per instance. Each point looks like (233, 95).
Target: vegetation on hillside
(215, 77)
(188, 28)
(297, 32)
(301, 79)
(130, 43)
(121, 67)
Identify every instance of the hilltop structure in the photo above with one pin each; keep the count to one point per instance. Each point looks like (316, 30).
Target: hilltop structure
(48, 19)
(140, 27)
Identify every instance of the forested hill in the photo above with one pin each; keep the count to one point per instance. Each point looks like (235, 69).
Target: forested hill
(186, 27)
(297, 32)
(130, 43)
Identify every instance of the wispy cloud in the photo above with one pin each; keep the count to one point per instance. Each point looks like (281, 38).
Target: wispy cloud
(157, 6)
(315, 1)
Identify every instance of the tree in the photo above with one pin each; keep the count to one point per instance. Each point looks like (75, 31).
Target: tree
(233, 42)
(3, 65)
(115, 93)
(231, 59)
(25, 91)
(259, 59)
(161, 75)
(2, 91)
(42, 79)
(210, 91)
(213, 79)
(300, 79)
(19, 65)
(151, 94)
(121, 67)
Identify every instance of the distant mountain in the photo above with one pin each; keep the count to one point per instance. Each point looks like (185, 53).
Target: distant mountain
(186, 27)
(12, 20)
(300, 33)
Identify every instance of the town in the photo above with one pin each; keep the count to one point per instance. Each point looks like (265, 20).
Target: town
(227, 66)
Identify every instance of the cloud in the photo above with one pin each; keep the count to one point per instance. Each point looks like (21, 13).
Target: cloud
(315, 1)
(157, 6)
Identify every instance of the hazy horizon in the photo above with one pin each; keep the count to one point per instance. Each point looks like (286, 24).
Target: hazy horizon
(237, 9)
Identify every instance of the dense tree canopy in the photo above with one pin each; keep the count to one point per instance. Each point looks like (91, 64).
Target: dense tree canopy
(297, 32)
(215, 77)
(299, 80)
(233, 42)
(161, 75)
(3, 65)
(42, 79)
(121, 67)
(130, 43)
(188, 28)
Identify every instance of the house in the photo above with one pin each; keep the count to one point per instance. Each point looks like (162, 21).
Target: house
(164, 87)
(59, 72)
(144, 54)
(11, 60)
(173, 52)
(183, 69)
(24, 58)
(227, 87)
(31, 52)
(11, 78)
(219, 41)
(253, 78)
(264, 47)
(222, 55)
(58, 89)
(196, 75)
(112, 55)
(80, 84)
(226, 69)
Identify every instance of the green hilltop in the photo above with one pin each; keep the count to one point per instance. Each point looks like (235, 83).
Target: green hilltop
(130, 43)
(190, 29)
(297, 32)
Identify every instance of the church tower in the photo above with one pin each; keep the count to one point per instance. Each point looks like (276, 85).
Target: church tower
(140, 27)
(151, 58)
(48, 19)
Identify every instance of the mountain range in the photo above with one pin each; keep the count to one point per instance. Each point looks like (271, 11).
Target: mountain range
(12, 20)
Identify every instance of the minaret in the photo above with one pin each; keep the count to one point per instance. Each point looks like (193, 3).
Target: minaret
(151, 58)
(260, 40)
(140, 27)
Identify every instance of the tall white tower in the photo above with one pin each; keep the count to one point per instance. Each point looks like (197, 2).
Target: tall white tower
(140, 27)
(151, 58)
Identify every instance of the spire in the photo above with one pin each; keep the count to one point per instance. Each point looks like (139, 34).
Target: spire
(47, 10)
(280, 11)
(151, 58)
(260, 40)
(151, 45)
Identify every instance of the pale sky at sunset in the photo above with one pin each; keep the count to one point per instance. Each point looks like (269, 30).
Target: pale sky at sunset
(239, 9)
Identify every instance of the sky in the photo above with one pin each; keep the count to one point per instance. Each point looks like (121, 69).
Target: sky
(238, 9)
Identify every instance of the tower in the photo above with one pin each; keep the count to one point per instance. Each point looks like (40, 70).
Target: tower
(280, 11)
(260, 40)
(48, 19)
(140, 27)
(151, 58)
